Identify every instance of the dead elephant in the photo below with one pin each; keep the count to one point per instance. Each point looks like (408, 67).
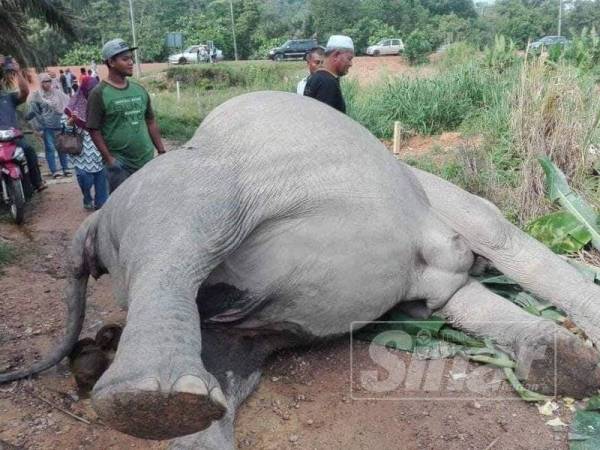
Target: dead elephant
(280, 222)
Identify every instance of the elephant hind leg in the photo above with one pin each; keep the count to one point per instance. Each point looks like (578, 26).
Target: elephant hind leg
(514, 253)
(550, 358)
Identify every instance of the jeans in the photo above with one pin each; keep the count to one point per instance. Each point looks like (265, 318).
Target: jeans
(32, 163)
(117, 173)
(50, 147)
(96, 179)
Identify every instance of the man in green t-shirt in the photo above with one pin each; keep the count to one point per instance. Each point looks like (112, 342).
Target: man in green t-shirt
(120, 118)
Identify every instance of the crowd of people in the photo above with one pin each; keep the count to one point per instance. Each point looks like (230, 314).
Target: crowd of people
(113, 118)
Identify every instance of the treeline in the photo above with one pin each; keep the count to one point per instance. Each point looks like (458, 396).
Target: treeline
(263, 24)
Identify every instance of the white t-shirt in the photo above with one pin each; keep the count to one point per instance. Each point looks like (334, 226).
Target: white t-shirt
(301, 86)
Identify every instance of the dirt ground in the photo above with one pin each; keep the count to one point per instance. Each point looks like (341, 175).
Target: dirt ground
(315, 398)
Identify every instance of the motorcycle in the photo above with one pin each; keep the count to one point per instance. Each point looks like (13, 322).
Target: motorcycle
(14, 174)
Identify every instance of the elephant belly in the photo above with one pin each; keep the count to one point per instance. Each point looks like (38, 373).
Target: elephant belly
(312, 277)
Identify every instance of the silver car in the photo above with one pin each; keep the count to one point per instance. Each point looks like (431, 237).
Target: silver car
(195, 54)
(386, 47)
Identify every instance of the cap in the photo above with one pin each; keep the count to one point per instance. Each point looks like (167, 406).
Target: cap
(339, 42)
(114, 47)
(44, 77)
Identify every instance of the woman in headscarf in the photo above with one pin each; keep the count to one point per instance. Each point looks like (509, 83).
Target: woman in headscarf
(88, 165)
(47, 106)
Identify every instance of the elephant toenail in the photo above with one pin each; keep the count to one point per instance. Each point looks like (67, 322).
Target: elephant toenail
(216, 395)
(191, 384)
(148, 384)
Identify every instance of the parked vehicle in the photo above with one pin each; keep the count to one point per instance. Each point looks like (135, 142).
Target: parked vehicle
(293, 49)
(14, 174)
(548, 41)
(195, 54)
(386, 47)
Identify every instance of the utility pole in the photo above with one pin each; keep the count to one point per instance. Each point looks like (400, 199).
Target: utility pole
(135, 52)
(560, 3)
(233, 30)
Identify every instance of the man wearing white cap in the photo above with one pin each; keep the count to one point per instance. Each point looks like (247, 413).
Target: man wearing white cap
(324, 84)
(120, 118)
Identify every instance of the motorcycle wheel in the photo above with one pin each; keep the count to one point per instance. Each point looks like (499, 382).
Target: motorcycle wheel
(16, 197)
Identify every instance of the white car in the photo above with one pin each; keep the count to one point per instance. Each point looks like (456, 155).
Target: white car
(194, 54)
(386, 47)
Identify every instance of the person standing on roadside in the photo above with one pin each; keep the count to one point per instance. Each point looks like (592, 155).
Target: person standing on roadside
(10, 98)
(88, 165)
(47, 106)
(314, 60)
(63, 82)
(120, 117)
(70, 79)
(324, 84)
(82, 75)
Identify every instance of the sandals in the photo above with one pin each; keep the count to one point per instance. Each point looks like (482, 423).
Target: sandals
(42, 187)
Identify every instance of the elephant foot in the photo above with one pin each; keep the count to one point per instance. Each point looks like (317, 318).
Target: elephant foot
(150, 409)
(559, 365)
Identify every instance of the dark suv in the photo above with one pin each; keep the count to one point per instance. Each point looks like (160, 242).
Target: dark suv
(293, 49)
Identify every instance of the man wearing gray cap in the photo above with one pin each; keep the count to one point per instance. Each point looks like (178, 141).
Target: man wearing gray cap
(324, 84)
(120, 117)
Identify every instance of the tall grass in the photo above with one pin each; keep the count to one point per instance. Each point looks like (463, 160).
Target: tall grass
(425, 105)
(555, 112)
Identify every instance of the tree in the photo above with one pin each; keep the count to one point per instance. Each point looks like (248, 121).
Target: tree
(585, 14)
(16, 26)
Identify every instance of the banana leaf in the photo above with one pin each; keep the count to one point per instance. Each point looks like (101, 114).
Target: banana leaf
(559, 190)
(584, 433)
(433, 338)
(560, 231)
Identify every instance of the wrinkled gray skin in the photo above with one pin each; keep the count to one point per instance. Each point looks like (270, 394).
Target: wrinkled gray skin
(281, 222)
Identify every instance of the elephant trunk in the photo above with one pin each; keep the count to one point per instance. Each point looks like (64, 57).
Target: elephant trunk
(75, 299)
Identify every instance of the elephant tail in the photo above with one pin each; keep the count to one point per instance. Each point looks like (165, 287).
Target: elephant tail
(82, 264)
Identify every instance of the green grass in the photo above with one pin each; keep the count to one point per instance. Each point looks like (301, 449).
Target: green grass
(7, 254)
(204, 87)
(424, 105)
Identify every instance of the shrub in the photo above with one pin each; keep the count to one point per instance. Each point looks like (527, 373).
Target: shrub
(501, 56)
(417, 46)
(459, 54)
(584, 50)
(81, 54)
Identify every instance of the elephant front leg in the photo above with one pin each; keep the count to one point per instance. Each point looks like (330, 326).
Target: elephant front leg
(547, 355)
(236, 361)
(157, 386)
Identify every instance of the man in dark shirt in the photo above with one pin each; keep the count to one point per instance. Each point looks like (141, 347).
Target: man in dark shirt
(9, 100)
(324, 84)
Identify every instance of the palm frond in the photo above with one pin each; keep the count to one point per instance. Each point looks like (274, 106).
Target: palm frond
(14, 17)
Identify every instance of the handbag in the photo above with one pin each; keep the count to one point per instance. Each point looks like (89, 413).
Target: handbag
(69, 142)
